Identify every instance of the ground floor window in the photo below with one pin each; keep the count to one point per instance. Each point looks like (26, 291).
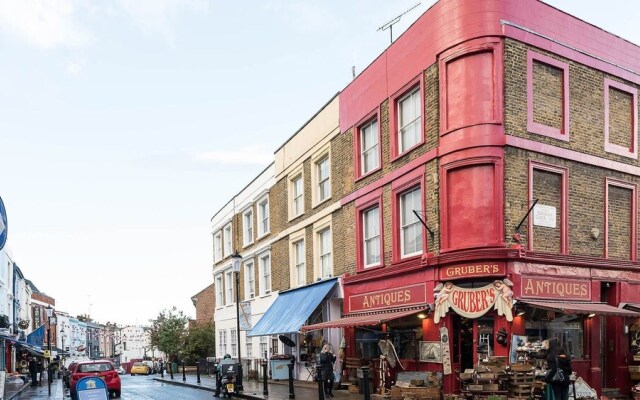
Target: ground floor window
(405, 334)
(568, 329)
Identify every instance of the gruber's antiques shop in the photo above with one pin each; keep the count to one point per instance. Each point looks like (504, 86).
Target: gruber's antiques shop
(454, 319)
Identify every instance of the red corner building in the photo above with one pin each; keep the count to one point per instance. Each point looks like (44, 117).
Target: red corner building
(494, 187)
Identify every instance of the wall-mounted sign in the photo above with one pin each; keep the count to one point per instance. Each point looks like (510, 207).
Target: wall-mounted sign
(474, 303)
(544, 216)
(472, 270)
(546, 288)
(402, 296)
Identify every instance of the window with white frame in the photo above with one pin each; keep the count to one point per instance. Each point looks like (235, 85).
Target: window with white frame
(265, 274)
(324, 248)
(247, 225)
(219, 291)
(263, 216)
(371, 236)
(228, 240)
(297, 196)
(410, 227)
(409, 120)
(249, 280)
(234, 342)
(263, 346)
(299, 257)
(217, 246)
(369, 153)
(222, 343)
(249, 352)
(324, 179)
(229, 287)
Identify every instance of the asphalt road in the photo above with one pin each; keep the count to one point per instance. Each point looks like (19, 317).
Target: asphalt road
(145, 388)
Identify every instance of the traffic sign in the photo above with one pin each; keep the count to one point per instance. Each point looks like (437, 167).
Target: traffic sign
(3, 224)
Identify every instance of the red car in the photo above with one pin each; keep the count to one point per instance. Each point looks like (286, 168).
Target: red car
(102, 368)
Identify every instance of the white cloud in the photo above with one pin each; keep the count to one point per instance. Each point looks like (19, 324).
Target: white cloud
(74, 68)
(43, 23)
(249, 155)
(158, 16)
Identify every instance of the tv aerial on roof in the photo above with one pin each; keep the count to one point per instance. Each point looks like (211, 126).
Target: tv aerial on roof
(389, 25)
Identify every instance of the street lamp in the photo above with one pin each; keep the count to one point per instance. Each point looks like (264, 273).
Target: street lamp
(62, 345)
(49, 310)
(235, 264)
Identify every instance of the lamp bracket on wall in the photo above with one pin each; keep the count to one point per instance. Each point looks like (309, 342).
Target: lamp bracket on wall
(526, 215)
(422, 216)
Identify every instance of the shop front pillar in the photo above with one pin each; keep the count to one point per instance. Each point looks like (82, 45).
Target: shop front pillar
(595, 339)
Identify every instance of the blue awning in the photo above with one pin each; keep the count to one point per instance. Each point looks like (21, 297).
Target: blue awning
(292, 309)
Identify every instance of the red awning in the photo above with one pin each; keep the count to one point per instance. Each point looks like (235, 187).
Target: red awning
(362, 319)
(581, 308)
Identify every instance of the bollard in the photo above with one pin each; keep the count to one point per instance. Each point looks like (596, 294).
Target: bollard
(171, 370)
(365, 378)
(239, 386)
(320, 382)
(291, 394)
(265, 390)
(184, 374)
(198, 371)
(162, 370)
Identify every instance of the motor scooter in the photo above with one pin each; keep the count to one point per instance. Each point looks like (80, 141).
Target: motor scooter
(228, 373)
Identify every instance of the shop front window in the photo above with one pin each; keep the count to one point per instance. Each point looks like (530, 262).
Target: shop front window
(568, 329)
(405, 340)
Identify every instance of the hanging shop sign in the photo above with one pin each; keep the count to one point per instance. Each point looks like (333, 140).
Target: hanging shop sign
(473, 270)
(545, 288)
(389, 298)
(474, 303)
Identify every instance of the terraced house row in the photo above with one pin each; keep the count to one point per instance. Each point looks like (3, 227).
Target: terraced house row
(481, 175)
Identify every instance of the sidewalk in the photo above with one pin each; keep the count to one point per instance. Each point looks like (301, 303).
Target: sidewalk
(278, 390)
(25, 391)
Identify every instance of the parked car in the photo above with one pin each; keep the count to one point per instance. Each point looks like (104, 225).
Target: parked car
(140, 368)
(67, 373)
(102, 368)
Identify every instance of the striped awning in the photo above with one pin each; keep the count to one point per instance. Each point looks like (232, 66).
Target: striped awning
(370, 319)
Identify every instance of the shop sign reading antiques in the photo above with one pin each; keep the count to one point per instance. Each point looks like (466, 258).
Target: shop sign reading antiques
(545, 288)
(397, 297)
(459, 271)
(473, 303)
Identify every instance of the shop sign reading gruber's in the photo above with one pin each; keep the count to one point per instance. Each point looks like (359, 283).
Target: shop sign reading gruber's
(473, 303)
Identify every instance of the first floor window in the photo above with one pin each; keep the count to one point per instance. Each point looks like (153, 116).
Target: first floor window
(250, 281)
(229, 287)
(324, 237)
(219, 291)
(371, 233)
(369, 153)
(265, 274)
(300, 265)
(249, 348)
(222, 343)
(409, 120)
(410, 227)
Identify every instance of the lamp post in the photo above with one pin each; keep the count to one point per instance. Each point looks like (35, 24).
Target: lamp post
(235, 264)
(49, 310)
(62, 345)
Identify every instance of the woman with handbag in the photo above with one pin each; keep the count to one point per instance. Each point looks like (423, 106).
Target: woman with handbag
(559, 365)
(327, 358)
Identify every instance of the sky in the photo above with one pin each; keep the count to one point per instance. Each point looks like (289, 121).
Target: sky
(126, 124)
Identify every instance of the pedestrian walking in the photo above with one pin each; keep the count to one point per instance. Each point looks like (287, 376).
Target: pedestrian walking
(327, 359)
(33, 371)
(557, 359)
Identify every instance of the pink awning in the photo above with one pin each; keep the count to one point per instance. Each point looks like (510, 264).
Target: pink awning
(581, 308)
(370, 319)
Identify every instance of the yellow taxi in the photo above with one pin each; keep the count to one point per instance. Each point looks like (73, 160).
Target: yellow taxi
(139, 368)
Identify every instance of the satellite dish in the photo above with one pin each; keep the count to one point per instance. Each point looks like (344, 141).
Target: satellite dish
(287, 342)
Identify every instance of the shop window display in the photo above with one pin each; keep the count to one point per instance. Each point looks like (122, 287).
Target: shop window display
(568, 329)
(405, 340)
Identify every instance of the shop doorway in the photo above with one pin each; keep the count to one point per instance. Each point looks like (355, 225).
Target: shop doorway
(463, 346)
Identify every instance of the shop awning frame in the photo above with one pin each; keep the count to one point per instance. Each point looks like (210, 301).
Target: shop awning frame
(292, 309)
(365, 319)
(585, 308)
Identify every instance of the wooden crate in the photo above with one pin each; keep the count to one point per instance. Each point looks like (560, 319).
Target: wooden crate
(475, 388)
(520, 379)
(490, 387)
(521, 391)
(354, 389)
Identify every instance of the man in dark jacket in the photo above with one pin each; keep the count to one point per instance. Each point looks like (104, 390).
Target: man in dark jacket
(33, 371)
(327, 358)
